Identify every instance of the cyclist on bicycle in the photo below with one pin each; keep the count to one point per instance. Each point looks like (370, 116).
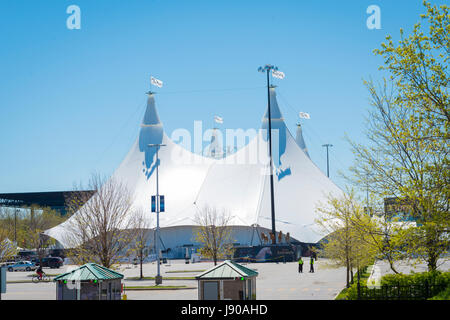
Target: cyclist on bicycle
(40, 272)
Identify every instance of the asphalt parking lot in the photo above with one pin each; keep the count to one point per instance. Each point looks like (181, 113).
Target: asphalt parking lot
(275, 281)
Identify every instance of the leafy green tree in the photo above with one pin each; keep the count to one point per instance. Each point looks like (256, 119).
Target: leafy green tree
(28, 226)
(346, 245)
(407, 128)
(7, 247)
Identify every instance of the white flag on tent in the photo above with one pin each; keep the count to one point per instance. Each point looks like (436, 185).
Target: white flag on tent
(218, 119)
(156, 82)
(277, 74)
(304, 115)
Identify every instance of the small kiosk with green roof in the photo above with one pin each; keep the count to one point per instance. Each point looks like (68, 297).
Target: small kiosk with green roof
(89, 282)
(227, 281)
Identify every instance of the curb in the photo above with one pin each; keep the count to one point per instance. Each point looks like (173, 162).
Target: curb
(27, 281)
(164, 278)
(150, 289)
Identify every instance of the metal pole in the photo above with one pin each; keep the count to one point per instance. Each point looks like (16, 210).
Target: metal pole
(158, 280)
(328, 163)
(272, 198)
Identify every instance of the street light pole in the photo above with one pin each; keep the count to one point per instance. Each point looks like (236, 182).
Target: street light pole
(158, 278)
(328, 162)
(267, 68)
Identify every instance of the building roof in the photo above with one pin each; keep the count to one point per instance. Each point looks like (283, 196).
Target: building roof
(227, 270)
(56, 200)
(88, 272)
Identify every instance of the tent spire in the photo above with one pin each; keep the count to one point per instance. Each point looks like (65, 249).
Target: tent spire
(151, 115)
(300, 141)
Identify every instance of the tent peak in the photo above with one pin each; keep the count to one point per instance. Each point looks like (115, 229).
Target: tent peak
(151, 115)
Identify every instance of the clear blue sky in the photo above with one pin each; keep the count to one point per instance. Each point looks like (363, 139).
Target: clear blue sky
(71, 100)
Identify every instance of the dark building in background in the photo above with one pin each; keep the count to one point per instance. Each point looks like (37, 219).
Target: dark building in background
(398, 208)
(56, 200)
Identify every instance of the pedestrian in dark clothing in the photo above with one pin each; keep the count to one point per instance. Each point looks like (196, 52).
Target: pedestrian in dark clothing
(311, 265)
(300, 265)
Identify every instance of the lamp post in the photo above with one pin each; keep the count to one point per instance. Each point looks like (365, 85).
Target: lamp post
(328, 163)
(158, 278)
(267, 68)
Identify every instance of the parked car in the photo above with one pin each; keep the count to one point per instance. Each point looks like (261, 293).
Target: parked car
(36, 261)
(22, 266)
(52, 262)
(6, 264)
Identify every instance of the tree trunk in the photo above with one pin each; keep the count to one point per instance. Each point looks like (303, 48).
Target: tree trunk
(391, 265)
(347, 279)
(432, 261)
(347, 265)
(141, 256)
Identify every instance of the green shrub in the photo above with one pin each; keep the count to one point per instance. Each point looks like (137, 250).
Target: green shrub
(443, 295)
(392, 280)
(434, 277)
(351, 293)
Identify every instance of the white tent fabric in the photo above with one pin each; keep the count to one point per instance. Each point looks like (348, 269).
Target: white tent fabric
(238, 183)
(300, 141)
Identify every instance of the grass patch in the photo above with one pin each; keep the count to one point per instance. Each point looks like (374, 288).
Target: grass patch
(443, 295)
(156, 287)
(186, 271)
(165, 278)
(347, 292)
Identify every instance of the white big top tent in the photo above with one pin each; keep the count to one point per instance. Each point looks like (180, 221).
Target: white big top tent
(238, 183)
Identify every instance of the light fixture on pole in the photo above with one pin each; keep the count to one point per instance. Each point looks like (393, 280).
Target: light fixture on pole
(158, 278)
(267, 69)
(328, 162)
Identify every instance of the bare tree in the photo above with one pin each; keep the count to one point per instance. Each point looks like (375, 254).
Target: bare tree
(102, 229)
(142, 225)
(214, 233)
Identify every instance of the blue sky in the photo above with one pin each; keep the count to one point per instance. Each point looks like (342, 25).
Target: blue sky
(71, 100)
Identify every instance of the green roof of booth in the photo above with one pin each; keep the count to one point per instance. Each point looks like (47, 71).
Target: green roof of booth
(89, 272)
(227, 270)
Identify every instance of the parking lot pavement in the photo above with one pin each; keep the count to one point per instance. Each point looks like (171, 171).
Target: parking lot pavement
(276, 281)
(283, 282)
(30, 291)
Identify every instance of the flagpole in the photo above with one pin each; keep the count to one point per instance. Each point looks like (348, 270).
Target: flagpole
(269, 68)
(150, 91)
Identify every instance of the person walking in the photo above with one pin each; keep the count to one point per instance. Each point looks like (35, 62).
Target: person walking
(300, 265)
(311, 264)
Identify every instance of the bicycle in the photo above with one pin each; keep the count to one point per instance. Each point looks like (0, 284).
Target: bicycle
(36, 278)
